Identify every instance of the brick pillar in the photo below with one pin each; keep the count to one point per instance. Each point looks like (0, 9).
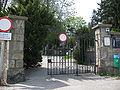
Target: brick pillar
(16, 46)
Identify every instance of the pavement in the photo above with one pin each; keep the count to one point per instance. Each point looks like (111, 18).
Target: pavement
(37, 79)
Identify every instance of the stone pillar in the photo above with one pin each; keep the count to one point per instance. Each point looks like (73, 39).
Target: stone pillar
(16, 46)
(104, 58)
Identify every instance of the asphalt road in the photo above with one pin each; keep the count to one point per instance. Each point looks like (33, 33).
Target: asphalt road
(37, 79)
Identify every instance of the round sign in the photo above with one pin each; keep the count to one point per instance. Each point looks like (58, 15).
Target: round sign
(62, 37)
(5, 24)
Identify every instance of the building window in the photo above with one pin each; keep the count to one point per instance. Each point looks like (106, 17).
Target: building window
(116, 42)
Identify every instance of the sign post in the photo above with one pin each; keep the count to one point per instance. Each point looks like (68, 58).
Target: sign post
(5, 26)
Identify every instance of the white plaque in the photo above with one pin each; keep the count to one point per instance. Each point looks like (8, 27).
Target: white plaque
(5, 36)
(107, 41)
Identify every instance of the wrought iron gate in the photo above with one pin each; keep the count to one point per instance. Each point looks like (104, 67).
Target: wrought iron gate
(76, 57)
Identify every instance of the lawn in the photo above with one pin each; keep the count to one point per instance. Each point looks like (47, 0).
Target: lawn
(68, 56)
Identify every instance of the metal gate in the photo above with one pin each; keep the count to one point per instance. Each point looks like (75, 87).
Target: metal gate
(72, 57)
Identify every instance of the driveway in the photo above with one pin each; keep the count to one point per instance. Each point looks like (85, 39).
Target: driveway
(37, 79)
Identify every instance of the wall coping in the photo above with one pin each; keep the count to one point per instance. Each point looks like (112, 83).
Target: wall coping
(101, 26)
(115, 33)
(18, 17)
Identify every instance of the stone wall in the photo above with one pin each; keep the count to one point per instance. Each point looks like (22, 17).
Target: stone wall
(16, 46)
(104, 54)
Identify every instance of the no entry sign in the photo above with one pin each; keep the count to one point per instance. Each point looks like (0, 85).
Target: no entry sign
(5, 24)
(62, 37)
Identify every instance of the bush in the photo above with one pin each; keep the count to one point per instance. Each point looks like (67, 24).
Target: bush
(77, 55)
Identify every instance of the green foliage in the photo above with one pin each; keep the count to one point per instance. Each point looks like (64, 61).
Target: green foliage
(113, 30)
(111, 75)
(108, 13)
(68, 57)
(79, 53)
(74, 23)
(71, 41)
(85, 40)
(76, 55)
(62, 8)
(52, 37)
(40, 23)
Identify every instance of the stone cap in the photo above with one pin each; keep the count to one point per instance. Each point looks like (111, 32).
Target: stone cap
(18, 17)
(102, 25)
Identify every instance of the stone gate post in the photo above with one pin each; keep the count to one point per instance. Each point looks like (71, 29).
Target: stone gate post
(104, 49)
(16, 46)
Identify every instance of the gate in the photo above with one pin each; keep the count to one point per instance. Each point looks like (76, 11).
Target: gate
(72, 57)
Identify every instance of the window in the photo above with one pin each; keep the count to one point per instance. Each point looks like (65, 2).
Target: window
(116, 42)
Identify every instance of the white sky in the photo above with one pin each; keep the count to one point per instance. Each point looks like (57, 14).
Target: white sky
(84, 8)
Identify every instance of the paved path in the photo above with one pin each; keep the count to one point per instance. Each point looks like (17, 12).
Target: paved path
(37, 79)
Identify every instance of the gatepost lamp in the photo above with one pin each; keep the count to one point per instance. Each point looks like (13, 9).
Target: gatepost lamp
(107, 30)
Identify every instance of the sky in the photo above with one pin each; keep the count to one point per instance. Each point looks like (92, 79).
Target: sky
(84, 8)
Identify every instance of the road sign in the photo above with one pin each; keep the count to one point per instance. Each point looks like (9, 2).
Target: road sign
(5, 24)
(62, 37)
(5, 36)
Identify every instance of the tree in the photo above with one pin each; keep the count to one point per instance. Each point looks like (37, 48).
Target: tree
(81, 35)
(108, 13)
(62, 8)
(74, 23)
(38, 26)
(43, 20)
(37, 30)
(95, 19)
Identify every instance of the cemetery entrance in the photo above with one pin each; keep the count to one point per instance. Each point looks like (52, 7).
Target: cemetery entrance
(75, 55)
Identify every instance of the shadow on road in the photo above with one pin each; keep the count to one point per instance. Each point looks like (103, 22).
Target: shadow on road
(37, 79)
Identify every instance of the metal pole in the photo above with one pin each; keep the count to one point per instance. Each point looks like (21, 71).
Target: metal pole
(2, 57)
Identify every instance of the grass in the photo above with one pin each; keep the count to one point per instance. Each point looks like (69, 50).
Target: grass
(68, 57)
(52, 55)
(104, 74)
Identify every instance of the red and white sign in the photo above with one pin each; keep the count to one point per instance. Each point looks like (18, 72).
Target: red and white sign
(62, 37)
(5, 24)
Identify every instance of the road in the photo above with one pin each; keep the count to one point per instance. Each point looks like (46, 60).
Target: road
(37, 79)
